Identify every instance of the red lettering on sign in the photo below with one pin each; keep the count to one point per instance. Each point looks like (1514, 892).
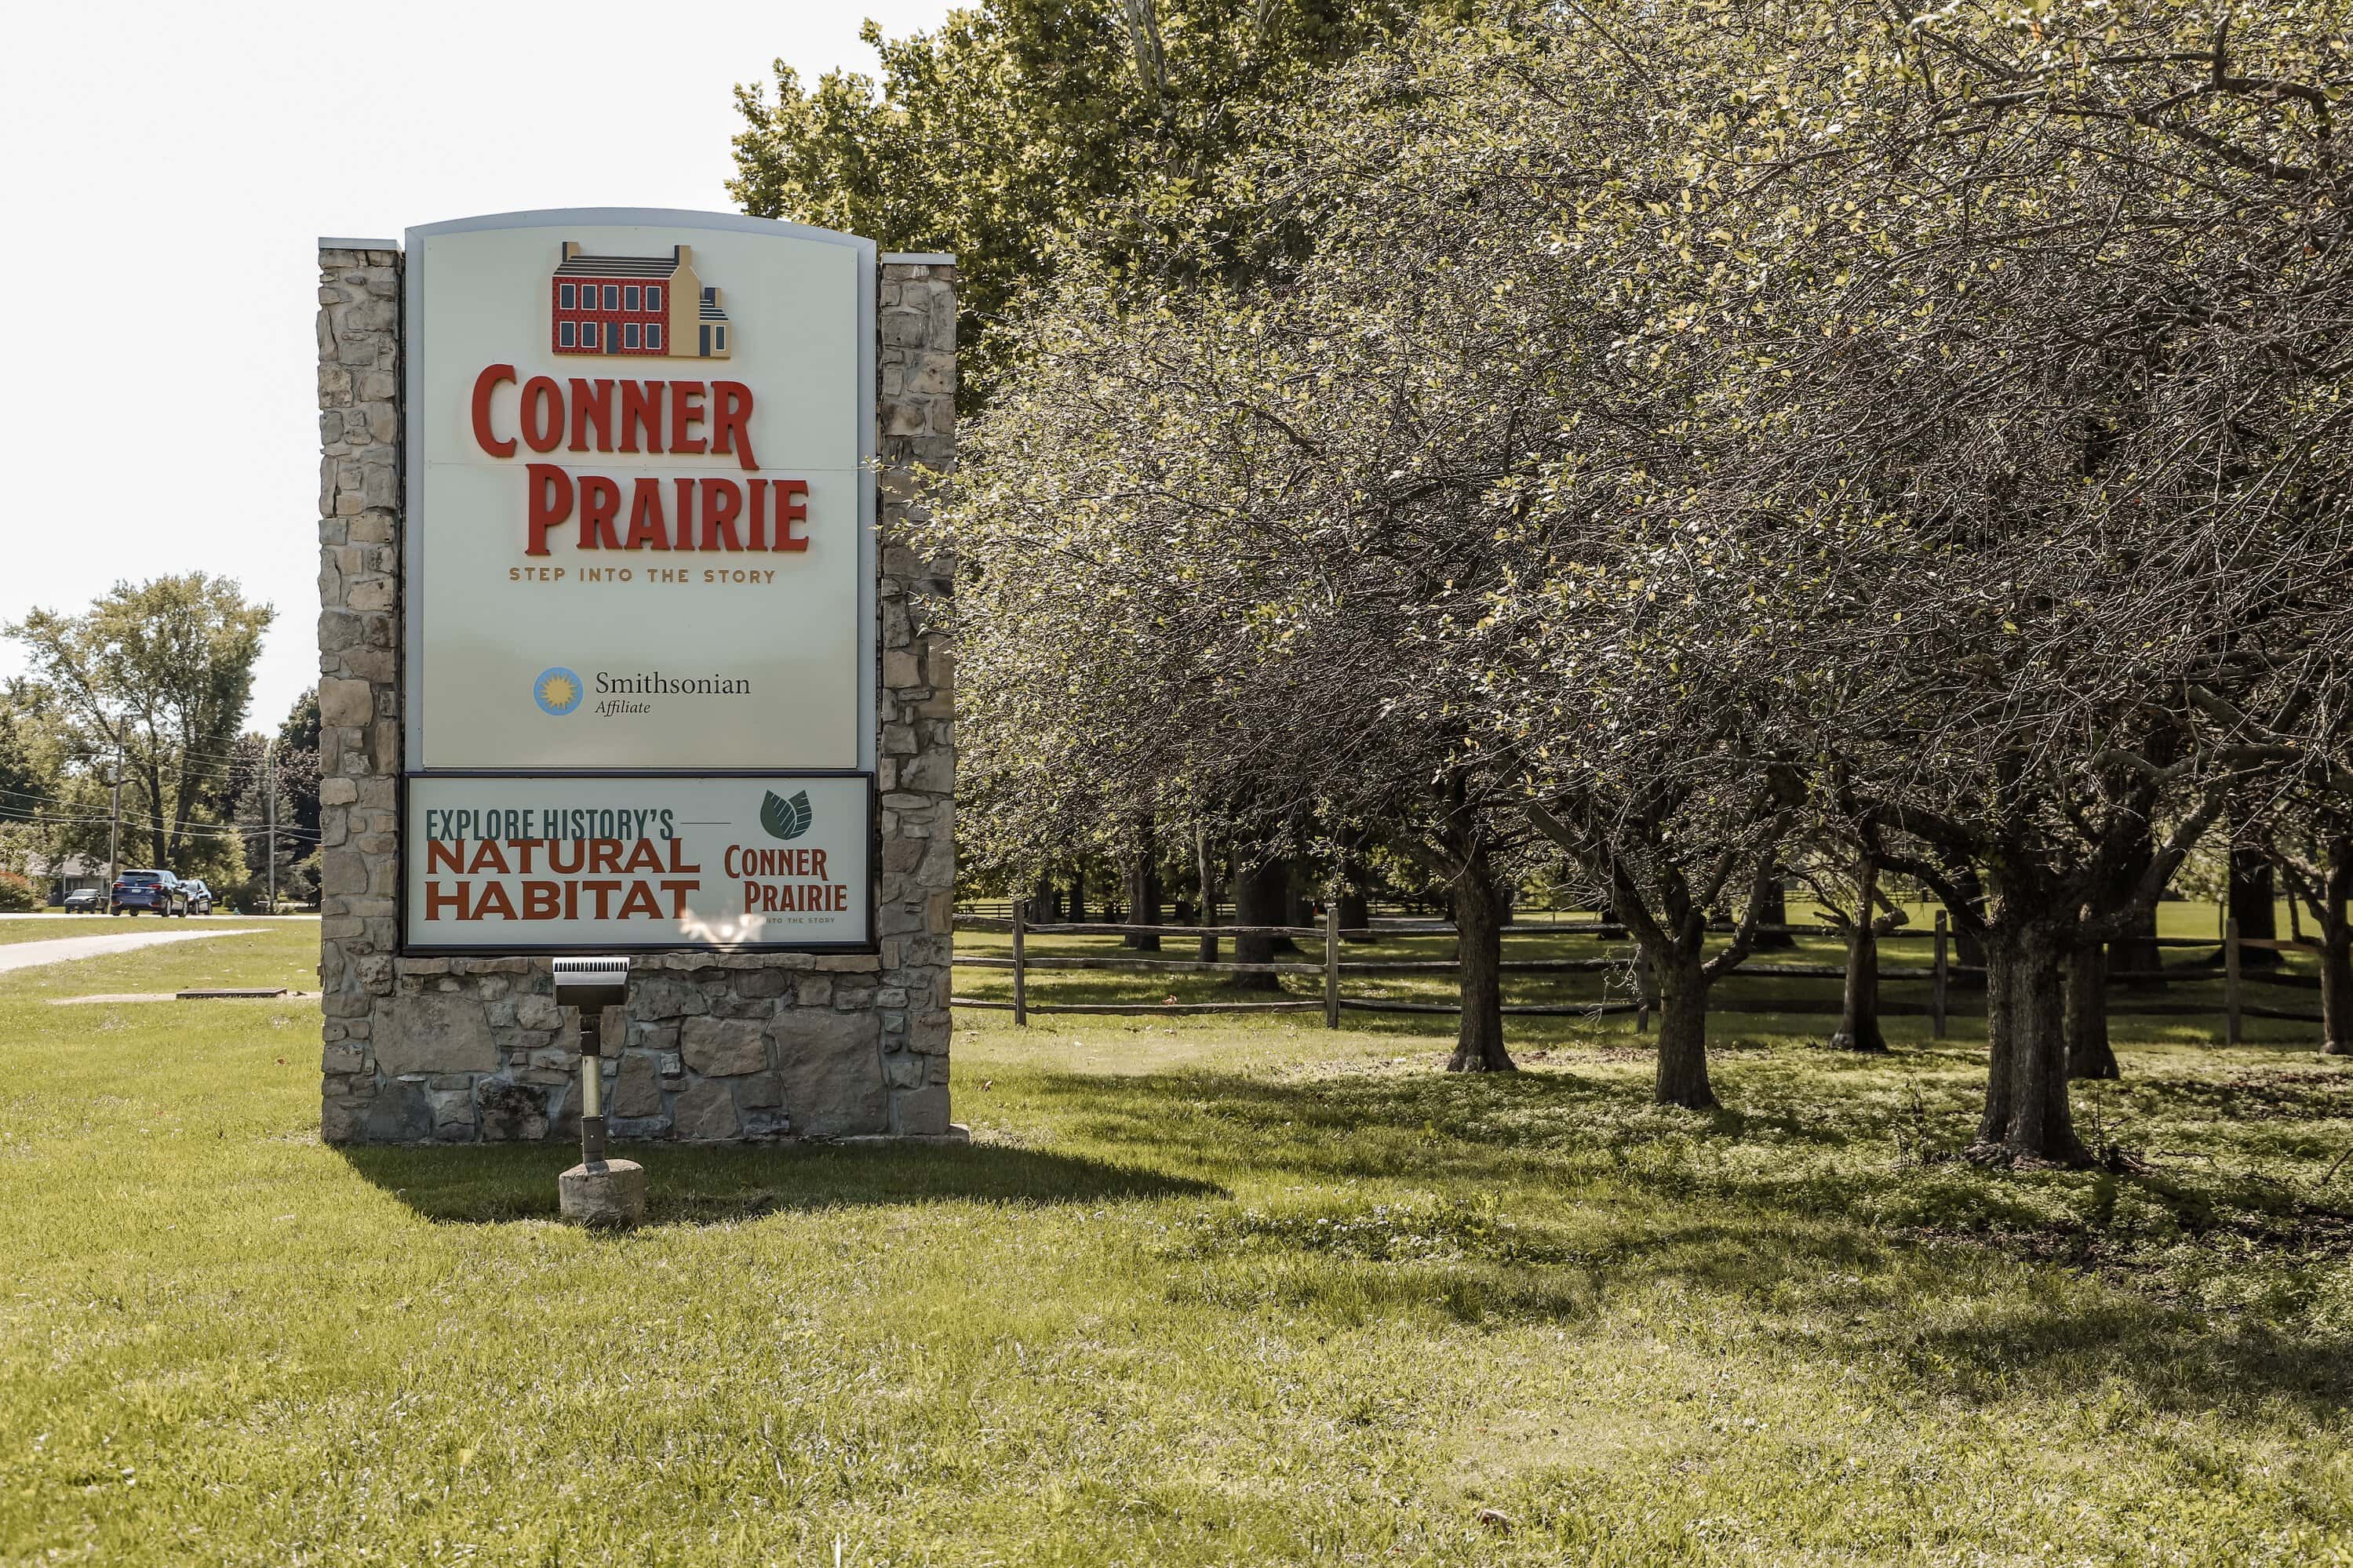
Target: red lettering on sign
(542, 413)
(484, 385)
(641, 414)
(685, 409)
(646, 516)
(790, 510)
(730, 422)
(592, 407)
(722, 503)
(600, 504)
(551, 503)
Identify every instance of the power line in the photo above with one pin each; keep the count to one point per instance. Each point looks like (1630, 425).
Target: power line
(208, 829)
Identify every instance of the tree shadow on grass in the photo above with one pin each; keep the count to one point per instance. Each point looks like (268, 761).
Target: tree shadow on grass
(705, 1184)
(1793, 1247)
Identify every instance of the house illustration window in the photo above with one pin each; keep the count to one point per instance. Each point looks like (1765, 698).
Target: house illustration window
(718, 340)
(612, 296)
(653, 300)
(629, 336)
(588, 335)
(628, 299)
(653, 336)
(567, 335)
(566, 296)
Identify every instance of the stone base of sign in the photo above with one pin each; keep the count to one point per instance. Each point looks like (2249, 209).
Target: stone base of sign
(712, 1047)
(609, 1194)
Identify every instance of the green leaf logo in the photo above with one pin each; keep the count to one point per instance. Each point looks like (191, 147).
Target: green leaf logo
(786, 818)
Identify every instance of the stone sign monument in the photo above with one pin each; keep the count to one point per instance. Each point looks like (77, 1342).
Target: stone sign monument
(622, 650)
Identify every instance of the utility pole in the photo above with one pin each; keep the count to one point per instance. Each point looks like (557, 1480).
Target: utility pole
(114, 823)
(269, 808)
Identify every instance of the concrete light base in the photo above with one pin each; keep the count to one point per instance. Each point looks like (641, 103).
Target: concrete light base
(610, 1193)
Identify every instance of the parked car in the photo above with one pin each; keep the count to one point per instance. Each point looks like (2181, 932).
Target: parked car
(158, 892)
(200, 897)
(84, 901)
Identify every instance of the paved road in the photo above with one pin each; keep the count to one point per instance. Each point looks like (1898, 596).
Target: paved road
(31, 954)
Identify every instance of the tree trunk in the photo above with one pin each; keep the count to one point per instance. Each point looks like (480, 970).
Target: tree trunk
(2136, 950)
(1144, 893)
(1077, 894)
(2253, 906)
(2139, 952)
(1857, 1027)
(2027, 1116)
(1968, 948)
(1260, 895)
(2089, 1055)
(1355, 911)
(1289, 909)
(1209, 898)
(1681, 984)
(2337, 954)
(1775, 913)
(1479, 946)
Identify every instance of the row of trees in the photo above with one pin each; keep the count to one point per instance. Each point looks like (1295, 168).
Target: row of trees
(1672, 440)
(160, 676)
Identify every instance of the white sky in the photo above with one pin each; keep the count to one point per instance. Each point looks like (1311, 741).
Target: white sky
(169, 167)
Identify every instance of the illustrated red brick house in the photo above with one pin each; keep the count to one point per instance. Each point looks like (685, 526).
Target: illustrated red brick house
(642, 305)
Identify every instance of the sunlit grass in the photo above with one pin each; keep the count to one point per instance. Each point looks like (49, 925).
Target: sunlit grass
(1203, 1291)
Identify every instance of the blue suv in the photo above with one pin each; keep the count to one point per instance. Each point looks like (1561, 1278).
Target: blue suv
(158, 892)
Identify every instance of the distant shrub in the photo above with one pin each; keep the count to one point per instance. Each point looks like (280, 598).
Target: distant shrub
(16, 895)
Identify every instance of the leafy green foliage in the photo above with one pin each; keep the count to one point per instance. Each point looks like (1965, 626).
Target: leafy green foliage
(1017, 123)
(164, 670)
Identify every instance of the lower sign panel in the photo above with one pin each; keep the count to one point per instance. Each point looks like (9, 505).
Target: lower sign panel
(513, 864)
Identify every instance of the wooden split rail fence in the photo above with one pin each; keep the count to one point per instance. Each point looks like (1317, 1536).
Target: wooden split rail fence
(1940, 972)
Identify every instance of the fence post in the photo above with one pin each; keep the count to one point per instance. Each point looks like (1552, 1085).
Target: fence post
(1020, 979)
(1332, 963)
(2231, 982)
(1936, 983)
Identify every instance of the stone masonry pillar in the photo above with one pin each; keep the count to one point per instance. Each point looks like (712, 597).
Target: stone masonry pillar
(713, 1047)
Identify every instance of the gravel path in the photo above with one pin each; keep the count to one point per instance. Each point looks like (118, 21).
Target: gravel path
(32, 954)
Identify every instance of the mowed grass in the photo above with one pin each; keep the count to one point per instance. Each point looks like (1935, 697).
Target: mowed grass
(1201, 1292)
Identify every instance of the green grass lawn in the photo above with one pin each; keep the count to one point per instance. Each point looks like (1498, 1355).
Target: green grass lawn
(1203, 1291)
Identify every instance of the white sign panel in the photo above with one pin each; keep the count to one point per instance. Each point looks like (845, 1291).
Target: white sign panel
(505, 864)
(639, 510)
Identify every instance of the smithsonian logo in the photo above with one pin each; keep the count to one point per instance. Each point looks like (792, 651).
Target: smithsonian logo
(557, 690)
(560, 691)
